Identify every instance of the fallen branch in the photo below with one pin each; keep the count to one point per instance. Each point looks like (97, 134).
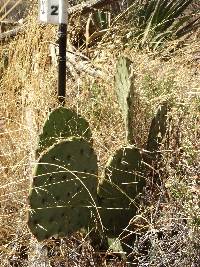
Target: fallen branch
(12, 33)
(89, 6)
(86, 66)
(79, 62)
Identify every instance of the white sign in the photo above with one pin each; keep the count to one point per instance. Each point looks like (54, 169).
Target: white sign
(53, 11)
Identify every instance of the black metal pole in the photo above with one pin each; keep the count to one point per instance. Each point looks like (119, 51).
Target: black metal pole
(62, 41)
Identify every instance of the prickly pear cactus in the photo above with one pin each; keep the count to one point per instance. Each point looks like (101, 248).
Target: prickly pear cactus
(122, 183)
(64, 189)
(124, 86)
(62, 123)
(158, 128)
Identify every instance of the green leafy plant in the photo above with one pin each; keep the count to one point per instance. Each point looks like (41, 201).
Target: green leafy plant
(156, 21)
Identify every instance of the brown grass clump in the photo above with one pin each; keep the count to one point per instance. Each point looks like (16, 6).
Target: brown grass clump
(170, 235)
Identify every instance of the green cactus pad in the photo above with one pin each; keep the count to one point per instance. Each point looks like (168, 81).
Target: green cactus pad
(64, 189)
(124, 86)
(61, 124)
(119, 188)
(158, 128)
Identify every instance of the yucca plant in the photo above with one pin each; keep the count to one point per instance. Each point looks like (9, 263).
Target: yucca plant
(156, 21)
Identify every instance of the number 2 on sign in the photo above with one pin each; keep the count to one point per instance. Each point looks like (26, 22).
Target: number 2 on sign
(54, 10)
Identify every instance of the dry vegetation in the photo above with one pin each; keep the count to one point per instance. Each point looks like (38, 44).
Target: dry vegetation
(168, 221)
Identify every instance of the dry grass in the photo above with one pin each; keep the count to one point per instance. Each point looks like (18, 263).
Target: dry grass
(170, 235)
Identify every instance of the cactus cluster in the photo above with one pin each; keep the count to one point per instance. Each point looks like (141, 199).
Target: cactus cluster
(67, 194)
(124, 175)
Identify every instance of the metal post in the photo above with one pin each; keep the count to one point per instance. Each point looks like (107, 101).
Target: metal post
(62, 41)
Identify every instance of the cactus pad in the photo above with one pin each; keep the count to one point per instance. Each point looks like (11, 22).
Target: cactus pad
(124, 86)
(61, 124)
(158, 128)
(64, 189)
(117, 191)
